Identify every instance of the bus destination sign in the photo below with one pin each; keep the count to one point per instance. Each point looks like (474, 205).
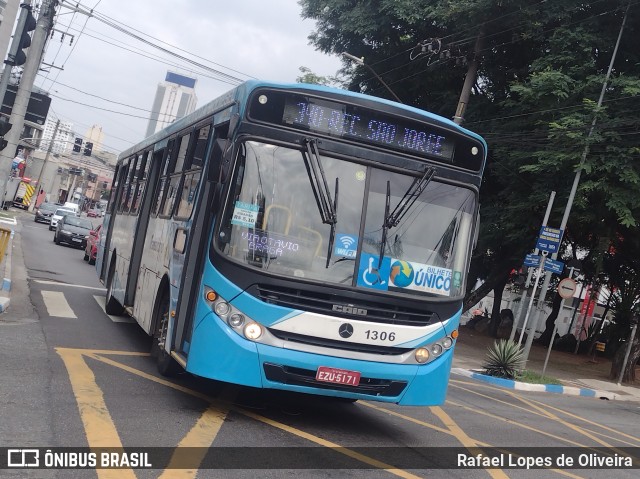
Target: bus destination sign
(342, 120)
(334, 118)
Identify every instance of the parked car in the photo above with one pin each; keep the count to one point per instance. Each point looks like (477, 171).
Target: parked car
(72, 230)
(91, 250)
(93, 213)
(58, 215)
(44, 212)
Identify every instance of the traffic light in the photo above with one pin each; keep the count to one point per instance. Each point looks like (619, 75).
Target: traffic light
(5, 126)
(87, 148)
(25, 40)
(77, 146)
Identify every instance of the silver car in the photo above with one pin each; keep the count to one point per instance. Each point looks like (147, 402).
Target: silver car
(57, 216)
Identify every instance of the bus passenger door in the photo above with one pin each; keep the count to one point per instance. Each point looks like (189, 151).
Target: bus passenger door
(193, 245)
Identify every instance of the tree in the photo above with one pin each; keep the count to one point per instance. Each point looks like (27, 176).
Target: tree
(542, 66)
(309, 77)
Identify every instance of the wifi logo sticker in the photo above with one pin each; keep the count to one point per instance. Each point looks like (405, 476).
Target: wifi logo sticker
(346, 246)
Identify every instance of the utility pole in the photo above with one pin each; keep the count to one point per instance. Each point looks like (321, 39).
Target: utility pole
(44, 163)
(31, 67)
(469, 80)
(574, 186)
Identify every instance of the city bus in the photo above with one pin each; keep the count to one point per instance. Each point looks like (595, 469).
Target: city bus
(301, 238)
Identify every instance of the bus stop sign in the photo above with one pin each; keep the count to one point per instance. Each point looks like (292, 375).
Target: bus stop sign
(549, 239)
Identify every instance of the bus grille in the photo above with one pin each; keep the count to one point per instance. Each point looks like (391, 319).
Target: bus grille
(333, 344)
(324, 303)
(306, 377)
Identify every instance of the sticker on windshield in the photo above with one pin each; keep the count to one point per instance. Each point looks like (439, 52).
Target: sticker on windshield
(370, 276)
(244, 214)
(457, 279)
(361, 175)
(420, 277)
(346, 246)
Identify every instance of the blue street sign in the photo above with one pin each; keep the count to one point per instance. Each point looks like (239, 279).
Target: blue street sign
(553, 266)
(549, 239)
(532, 260)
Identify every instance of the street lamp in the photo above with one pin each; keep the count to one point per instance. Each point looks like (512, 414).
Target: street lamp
(360, 61)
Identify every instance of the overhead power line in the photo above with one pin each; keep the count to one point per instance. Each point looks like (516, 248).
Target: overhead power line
(127, 30)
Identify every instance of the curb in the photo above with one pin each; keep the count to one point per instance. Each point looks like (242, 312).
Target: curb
(549, 388)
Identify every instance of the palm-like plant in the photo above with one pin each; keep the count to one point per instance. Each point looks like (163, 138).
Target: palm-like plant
(504, 359)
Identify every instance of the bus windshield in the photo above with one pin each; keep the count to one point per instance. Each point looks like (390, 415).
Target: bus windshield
(272, 221)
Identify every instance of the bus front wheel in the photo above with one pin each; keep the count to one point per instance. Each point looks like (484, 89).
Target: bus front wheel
(167, 366)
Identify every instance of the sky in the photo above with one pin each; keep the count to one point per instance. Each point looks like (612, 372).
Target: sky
(109, 78)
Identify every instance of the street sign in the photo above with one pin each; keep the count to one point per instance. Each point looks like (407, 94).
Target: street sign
(549, 239)
(567, 288)
(553, 266)
(532, 260)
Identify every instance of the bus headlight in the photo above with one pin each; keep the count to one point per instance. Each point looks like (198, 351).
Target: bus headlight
(252, 331)
(239, 322)
(422, 355)
(430, 352)
(222, 308)
(236, 320)
(436, 349)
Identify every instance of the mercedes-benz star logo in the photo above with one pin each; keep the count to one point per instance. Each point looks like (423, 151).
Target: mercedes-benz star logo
(345, 330)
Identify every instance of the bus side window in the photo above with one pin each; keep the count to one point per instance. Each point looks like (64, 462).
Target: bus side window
(193, 172)
(163, 178)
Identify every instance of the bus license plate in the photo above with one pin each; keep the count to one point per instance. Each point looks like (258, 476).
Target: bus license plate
(338, 376)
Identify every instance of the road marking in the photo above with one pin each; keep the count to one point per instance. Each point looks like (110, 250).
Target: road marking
(116, 319)
(606, 428)
(68, 285)
(207, 426)
(57, 305)
(452, 433)
(335, 447)
(98, 424)
(465, 440)
(200, 436)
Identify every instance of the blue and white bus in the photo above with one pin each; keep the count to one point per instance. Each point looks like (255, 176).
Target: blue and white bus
(301, 238)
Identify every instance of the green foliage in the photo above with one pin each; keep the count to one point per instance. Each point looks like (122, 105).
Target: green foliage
(532, 377)
(541, 72)
(309, 77)
(504, 359)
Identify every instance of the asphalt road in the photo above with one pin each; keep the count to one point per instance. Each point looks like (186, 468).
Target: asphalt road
(80, 378)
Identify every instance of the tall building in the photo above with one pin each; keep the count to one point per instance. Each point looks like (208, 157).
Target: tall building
(95, 136)
(175, 98)
(63, 137)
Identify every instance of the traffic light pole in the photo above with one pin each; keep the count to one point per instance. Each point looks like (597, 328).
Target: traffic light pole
(5, 163)
(31, 67)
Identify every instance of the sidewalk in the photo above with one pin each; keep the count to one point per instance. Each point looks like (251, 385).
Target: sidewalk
(580, 375)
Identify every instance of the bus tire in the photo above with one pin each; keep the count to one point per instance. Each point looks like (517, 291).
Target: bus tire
(167, 366)
(111, 304)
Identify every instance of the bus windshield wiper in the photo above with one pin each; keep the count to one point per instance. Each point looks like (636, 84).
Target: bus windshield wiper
(332, 234)
(391, 220)
(328, 208)
(319, 183)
